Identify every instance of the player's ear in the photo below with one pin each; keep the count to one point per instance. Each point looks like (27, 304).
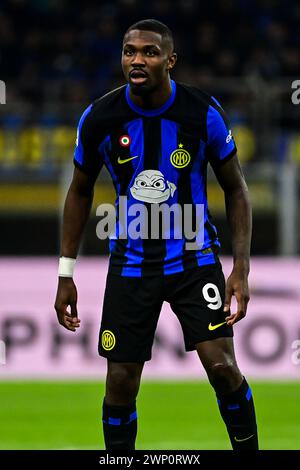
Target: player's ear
(172, 60)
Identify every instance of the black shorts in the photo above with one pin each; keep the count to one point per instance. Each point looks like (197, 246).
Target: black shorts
(132, 306)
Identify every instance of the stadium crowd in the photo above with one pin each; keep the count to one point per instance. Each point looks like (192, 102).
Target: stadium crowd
(68, 50)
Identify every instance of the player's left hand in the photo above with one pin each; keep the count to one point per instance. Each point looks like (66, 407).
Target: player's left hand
(237, 285)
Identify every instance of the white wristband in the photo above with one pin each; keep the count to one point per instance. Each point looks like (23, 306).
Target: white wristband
(66, 266)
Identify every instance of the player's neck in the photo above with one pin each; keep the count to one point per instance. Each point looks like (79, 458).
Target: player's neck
(155, 99)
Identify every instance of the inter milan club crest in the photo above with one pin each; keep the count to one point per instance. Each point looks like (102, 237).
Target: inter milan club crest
(108, 340)
(180, 157)
(124, 140)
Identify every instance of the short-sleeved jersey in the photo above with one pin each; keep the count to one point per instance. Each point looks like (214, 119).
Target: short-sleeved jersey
(156, 156)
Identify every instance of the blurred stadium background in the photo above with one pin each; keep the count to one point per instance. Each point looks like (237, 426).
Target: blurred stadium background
(55, 58)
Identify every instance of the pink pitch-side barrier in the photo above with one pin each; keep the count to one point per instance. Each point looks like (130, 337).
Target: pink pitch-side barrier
(34, 345)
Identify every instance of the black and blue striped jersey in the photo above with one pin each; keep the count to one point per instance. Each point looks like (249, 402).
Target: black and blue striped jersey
(156, 156)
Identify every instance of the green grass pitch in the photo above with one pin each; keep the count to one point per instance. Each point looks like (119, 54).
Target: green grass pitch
(172, 415)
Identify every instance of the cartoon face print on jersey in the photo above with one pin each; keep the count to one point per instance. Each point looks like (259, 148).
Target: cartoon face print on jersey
(151, 186)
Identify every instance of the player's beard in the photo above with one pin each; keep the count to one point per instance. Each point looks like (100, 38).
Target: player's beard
(141, 90)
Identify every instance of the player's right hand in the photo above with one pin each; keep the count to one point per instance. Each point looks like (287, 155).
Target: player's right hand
(67, 296)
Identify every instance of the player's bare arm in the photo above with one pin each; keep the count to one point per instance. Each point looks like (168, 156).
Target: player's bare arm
(76, 212)
(239, 216)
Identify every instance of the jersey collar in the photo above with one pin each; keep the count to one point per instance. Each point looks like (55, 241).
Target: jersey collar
(152, 112)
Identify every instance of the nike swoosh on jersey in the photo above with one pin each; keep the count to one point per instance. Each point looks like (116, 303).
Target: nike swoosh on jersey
(214, 327)
(126, 159)
(245, 438)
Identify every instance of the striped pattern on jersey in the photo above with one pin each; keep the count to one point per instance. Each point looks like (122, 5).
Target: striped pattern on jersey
(152, 156)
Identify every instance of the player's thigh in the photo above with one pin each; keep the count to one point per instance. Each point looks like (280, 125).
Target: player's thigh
(130, 369)
(198, 302)
(130, 313)
(124, 372)
(219, 351)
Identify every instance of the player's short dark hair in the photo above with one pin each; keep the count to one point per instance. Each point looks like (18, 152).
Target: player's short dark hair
(157, 27)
